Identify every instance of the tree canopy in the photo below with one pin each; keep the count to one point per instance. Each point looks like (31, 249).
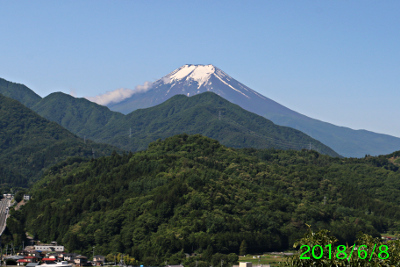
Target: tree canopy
(190, 194)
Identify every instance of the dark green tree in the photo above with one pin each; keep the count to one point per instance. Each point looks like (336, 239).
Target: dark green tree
(207, 254)
(243, 248)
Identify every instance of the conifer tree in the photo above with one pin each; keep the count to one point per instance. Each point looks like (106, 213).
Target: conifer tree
(243, 248)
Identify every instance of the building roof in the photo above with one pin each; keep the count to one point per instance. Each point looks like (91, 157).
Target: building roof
(73, 255)
(15, 257)
(81, 257)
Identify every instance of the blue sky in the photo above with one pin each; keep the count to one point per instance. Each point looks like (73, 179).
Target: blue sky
(337, 61)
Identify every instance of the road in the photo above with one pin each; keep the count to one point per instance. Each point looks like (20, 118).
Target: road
(4, 206)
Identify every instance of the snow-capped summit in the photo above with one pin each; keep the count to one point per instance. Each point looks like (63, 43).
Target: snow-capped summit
(190, 80)
(198, 73)
(194, 79)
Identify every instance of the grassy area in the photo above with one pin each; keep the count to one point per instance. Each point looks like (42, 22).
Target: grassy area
(271, 259)
(392, 235)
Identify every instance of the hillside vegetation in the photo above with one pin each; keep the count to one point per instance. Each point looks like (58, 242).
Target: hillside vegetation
(19, 92)
(191, 194)
(30, 143)
(207, 114)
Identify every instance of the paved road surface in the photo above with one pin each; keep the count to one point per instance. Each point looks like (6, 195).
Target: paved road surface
(4, 205)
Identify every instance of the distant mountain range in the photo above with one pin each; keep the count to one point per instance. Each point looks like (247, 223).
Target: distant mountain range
(30, 143)
(90, 120)
(190, 80)
(207, 114)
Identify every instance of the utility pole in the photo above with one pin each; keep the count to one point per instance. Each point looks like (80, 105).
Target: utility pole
(93, 254)
(130, 132)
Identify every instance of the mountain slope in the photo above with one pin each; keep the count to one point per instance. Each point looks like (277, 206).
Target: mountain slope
(189, 192)
(19, 92)
(30, 143)
(78, 115)
(194, 79)
(206, 114)
(215, 117)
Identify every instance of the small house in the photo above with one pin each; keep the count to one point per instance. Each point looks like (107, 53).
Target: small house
(80, 260)
(99, 260)
(70, 257)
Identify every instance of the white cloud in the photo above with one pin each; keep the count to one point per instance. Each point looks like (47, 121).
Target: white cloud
(143, 88)
(119, 94)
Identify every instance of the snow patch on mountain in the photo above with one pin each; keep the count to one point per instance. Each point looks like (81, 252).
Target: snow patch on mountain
(231, 86)
(198, 73)
(182, 72)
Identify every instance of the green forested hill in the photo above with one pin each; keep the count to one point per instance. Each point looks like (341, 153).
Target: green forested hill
(207, 114)
(78, 115)
(19, 92)
(213, 116)
(191, 194)
(30, 143)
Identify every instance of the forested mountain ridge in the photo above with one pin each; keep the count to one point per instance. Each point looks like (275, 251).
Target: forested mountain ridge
(78, 115)
(19, 92)
(207, 114)
(30, 143)
(191, 194)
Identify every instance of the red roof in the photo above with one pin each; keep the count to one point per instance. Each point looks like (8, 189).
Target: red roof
(49, 259)
(30, 257)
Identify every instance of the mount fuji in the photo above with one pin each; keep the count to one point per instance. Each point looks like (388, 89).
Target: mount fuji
(191, 80)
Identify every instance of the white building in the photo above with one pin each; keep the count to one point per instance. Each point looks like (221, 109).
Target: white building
(49, 247)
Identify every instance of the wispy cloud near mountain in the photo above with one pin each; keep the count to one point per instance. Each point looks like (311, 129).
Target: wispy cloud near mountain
(118, 95)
